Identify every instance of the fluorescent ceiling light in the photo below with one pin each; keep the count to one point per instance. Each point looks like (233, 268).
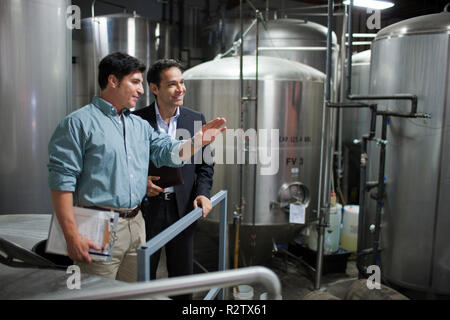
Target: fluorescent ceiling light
(372, 4)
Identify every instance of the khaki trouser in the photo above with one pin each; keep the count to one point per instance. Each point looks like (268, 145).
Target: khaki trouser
(123, 266)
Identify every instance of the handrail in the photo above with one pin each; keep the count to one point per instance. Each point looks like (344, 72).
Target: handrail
(188, 284)
(157, 242)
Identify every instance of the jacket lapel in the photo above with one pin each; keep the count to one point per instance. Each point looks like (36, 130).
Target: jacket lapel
(152, 116)
(184, 121)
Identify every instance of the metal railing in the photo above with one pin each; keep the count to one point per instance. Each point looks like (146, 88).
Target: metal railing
(157, 242)
(186, 284)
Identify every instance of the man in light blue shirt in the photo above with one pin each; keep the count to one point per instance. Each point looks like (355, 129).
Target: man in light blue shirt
(98, 157)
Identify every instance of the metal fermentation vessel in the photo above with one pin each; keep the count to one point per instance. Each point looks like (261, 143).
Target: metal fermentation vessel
(292, 39)
(356, 122)
(35, 82)
(413, 56)
(138, 36)
(290, 99)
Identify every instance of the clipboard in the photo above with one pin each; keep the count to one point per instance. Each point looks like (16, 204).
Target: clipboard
(168, 176)
(96, 225)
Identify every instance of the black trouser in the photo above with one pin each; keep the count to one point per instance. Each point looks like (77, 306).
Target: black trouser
(159, 215)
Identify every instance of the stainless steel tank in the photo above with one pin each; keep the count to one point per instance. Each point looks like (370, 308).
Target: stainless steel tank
(296, 40)
(138, 36)
(413, 56)
(292, 39)
(290, 99)
(356, 122)
(35, 76)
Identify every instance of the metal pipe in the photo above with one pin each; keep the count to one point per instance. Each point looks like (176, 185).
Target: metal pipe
(447, 7)
(404, 115)
(184, 285)
(324, 175)
(163, 11)
(362, 195)
(256, 109)
(397, 96)
(181, 27)
(314, 7)
(373, 121)
(170, 12)
(314, 14)
(411, 97)
(94, 55)
(251, 5)
(347, 105)
(241, 102)
(340, 112)
(363, 187)
(292, 48)
(231, 49)
(350, 49)
(380, 191)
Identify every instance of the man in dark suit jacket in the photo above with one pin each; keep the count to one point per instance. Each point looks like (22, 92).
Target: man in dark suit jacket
(163, 207)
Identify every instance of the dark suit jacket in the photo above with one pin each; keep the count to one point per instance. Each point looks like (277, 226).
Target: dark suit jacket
(198, 178)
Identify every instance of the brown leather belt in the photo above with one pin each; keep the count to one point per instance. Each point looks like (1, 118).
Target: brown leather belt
(126, 214)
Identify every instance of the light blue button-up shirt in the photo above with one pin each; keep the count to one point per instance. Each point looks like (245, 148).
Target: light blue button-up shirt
(170, 129)
(90, 155)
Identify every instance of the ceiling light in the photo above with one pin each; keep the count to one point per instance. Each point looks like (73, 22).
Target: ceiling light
(372, 4)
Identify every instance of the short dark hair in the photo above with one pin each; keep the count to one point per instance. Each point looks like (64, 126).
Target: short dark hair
(118, 64)
(154, 73)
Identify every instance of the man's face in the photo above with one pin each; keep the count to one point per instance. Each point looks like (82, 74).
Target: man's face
(129, 90)
(171, 89)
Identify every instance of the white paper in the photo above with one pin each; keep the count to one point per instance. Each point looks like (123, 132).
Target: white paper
(91, 225)
(296, 213)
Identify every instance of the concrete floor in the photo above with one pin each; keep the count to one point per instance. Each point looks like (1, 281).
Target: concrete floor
(296, 280)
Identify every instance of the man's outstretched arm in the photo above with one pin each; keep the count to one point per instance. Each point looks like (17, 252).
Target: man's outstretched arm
(203, 137)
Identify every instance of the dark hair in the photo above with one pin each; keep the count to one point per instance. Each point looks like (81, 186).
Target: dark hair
(154, 73)
(118, 64)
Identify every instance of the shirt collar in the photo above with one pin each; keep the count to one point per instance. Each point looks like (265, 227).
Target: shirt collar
(158, 115)
(107, 108)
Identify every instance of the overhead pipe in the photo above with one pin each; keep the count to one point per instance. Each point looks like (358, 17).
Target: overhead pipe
(411, 97)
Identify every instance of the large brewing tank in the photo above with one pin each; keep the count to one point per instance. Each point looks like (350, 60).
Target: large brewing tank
(356, 122)
(290, 99)
(295, 40)
(138, 36)
(35, 74)
(413, 56)
(292, 39)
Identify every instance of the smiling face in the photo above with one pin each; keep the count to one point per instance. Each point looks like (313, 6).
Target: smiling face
(128, 90)
(171, 90)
